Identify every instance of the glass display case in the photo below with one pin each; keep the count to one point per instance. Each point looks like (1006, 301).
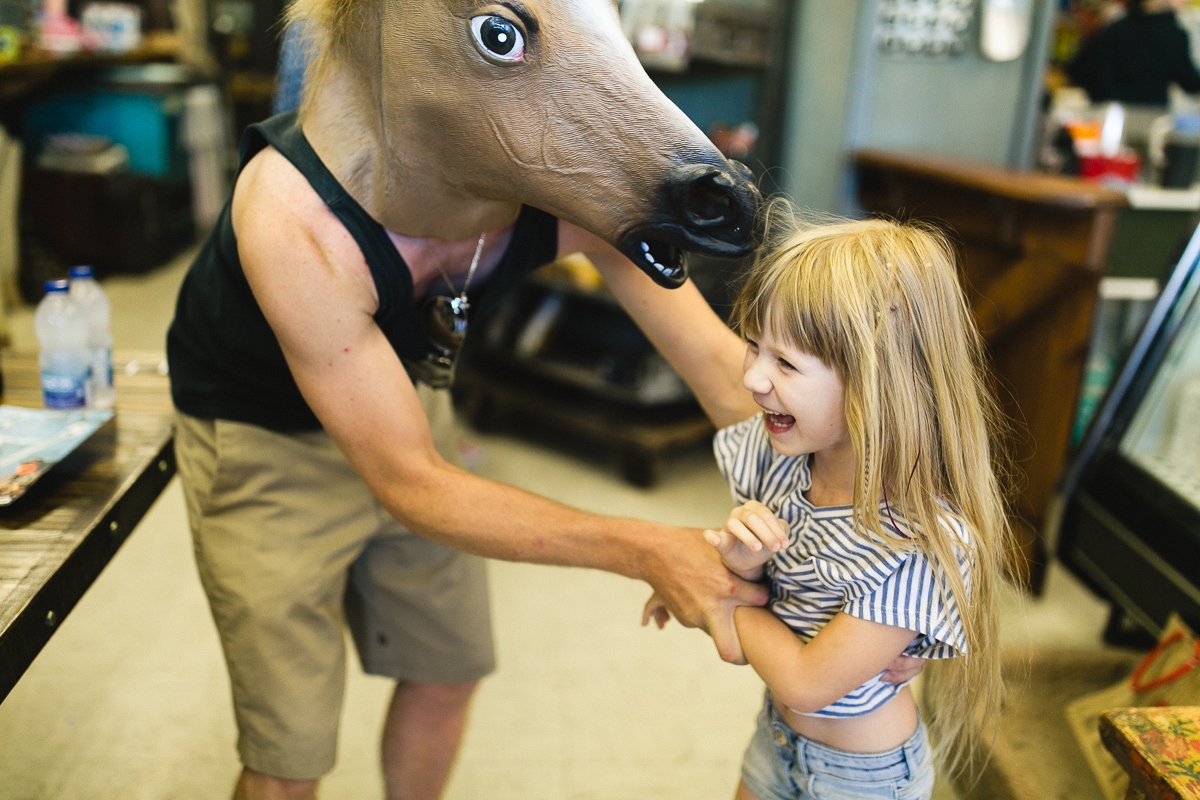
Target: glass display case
(1131, 519)
(1163, 437)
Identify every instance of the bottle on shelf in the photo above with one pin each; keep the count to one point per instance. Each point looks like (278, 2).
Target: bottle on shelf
(63, 356)
(86, 292)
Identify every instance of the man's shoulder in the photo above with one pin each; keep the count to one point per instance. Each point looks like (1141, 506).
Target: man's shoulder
(271, 187)
(273, 199)
(283, 226)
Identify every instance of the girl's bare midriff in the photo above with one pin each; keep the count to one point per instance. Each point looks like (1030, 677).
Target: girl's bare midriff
(886, 727)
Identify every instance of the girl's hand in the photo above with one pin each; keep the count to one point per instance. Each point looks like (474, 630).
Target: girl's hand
(656, 609)
(904, 668)
(750, 538)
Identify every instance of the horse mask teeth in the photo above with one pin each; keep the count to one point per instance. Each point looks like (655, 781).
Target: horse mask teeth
(663, 262)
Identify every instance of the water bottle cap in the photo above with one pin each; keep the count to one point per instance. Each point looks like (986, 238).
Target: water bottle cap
(57, 285)
(80, 272)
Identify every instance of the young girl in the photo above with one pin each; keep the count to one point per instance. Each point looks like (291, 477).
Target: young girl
(869, 503)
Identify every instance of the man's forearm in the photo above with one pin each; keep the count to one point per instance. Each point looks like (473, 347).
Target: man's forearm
(491, 519)
(506, 523)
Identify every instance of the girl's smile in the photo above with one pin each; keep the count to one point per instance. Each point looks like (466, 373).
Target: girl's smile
(778, 423)
(802, 398)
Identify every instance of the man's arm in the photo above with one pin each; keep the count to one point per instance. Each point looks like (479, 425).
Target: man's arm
(312, 284)
(681, 325)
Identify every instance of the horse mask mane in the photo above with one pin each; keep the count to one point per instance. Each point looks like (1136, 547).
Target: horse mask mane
(436, 110)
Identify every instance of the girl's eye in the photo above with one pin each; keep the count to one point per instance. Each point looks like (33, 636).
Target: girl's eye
(786, 364)
(498, 37)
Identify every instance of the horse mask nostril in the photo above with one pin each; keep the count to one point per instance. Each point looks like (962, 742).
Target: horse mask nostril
(704, 208)
(711, 200)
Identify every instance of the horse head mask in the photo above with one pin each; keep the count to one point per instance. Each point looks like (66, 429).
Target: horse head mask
(541, 102)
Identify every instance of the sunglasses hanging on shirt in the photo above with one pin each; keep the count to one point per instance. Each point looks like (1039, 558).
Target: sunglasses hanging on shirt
(444, 323)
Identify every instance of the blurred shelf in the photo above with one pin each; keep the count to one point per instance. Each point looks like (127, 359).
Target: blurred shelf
(37, 66)
(705, 69)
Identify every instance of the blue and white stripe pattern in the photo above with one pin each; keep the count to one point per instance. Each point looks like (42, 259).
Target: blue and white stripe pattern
(828, 566)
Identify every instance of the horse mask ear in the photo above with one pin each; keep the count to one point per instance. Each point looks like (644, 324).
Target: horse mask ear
(543, 102)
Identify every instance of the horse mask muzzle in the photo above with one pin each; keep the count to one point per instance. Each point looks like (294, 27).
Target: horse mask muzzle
(706, 208)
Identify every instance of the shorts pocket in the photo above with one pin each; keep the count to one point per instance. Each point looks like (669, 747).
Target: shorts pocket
(919, 786)
(225, 471)
(197, 460)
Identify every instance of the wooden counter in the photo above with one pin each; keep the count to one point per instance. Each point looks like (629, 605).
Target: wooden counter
(55, 541)
(1032, 250)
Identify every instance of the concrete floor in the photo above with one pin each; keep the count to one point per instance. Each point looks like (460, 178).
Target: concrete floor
(130, 699)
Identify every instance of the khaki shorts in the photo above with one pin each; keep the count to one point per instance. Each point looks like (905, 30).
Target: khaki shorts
(289, 543)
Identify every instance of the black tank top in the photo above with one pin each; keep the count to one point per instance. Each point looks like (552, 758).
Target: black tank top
(224, 358)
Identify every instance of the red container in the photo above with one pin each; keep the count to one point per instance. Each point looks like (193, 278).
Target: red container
(1123, 166)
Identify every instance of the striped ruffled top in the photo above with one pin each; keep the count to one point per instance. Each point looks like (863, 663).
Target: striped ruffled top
(829, 566)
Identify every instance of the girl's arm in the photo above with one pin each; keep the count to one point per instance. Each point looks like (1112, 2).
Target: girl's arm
(844, 655)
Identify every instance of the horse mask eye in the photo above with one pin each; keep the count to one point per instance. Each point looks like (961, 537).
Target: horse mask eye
(498, 38)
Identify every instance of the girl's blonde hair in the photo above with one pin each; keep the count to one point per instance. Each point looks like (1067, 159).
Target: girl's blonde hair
(879, 302)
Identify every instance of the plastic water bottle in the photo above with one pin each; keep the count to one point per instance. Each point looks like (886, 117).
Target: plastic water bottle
(63, 352)
(86, 292)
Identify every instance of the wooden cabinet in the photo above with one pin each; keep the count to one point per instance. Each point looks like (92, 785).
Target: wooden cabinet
(1032, 249)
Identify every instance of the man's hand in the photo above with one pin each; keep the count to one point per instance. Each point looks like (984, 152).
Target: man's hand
(691, 584)
(750, 538)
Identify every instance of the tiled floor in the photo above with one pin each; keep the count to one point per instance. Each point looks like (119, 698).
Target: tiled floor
(130, 698)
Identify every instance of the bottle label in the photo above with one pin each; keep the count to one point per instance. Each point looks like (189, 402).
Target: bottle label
(64, 390)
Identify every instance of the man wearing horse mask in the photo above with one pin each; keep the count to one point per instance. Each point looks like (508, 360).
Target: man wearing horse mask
(444, 149)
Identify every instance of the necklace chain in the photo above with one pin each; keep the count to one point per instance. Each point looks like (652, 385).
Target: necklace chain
(444, 322)
(470, 273)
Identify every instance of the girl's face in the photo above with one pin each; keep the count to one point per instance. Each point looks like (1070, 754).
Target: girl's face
(803, 398)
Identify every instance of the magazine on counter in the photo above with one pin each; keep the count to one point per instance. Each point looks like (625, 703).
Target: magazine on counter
(32, 440)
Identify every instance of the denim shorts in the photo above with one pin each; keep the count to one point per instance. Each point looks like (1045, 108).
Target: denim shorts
(780, 764)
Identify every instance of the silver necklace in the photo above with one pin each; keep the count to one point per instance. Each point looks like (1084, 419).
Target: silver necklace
(461, 300)
(444, 323)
